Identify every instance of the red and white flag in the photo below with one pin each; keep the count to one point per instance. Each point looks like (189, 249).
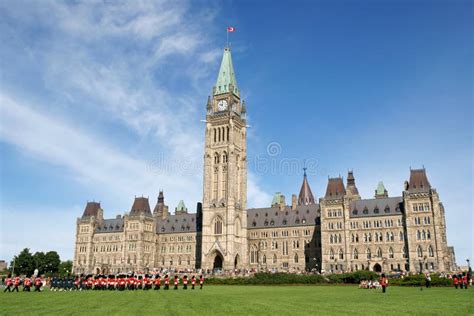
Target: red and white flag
(230, 29)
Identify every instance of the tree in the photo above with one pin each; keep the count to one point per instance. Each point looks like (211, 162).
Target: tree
(24, 263)
(52, 262)
(40, 262)
(65, 268)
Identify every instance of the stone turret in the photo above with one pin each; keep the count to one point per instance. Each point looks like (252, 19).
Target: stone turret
(381, 192)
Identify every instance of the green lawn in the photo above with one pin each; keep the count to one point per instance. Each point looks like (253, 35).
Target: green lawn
(246, 300)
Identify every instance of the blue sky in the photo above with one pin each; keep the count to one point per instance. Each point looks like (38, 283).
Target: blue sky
(103, 101)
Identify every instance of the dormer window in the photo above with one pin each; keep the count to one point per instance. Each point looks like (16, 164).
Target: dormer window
(376, 210)
(387, 209)
(265, 223)
(355, 212)
(366, 210)
(272, 222)
(254, 224)
(284, 221)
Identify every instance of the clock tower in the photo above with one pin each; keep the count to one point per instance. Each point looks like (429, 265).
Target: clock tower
(224, 227)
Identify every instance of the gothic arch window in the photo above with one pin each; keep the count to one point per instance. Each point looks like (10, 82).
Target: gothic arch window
(340, 238)
(253, 254)
(227, 133)
(418, 235)
(357, 238)
(331, 239)
(419, 251)
(215, 135)
(274, 258)
(218, 226)
(331, 254)
(224, 157)
(390, 253)
(401, 236)
(430, 251)
(341, 254)
(216, 158)
(369, 254)
(428, 235)
(355, 254)
(296, 258)
(264, 259)
(423, 234)
(379, 253)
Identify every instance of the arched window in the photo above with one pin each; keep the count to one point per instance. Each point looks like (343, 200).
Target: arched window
(419, 252)
(428, 235)
(357, 237)
(264, 259)
(355, 255)
(224, 157)
(296, 258)
(331, 254)
(423, 234)
(253, 254)
(341, 254)
(430, 251)
(379, 253)
(227, 133)
(215, 135)
(390, 253)
(218, 226)
(418, 235)
(340, 238)
(331, 240)
(401, 236)
(369, 254)
(274, 258)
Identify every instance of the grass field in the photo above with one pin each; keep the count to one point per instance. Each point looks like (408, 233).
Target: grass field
(246, 300)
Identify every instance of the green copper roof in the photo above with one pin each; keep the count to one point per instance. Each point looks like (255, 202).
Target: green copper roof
(276, 198)
(380, 189)
(181, 206)
(226, 79)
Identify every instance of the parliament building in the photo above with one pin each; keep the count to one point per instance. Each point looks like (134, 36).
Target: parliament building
(339, 232)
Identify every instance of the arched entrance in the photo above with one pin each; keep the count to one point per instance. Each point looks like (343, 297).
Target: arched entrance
(377, 267)
(217, 262)
(236, 261)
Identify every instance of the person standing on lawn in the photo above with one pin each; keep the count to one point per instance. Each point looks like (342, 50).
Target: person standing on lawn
(383, 282)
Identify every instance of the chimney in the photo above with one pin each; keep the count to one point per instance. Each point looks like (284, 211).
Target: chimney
(294, 202)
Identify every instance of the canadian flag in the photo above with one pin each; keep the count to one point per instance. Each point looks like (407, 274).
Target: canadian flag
(230, 29)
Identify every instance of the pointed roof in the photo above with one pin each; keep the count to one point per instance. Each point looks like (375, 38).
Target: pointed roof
(226, 79)
(335, 189)
(418, 181)
(140, 206)
(181, 208)
(306, 196)
(92, 209)
(381, 192)
(351, 186)
(160, 204)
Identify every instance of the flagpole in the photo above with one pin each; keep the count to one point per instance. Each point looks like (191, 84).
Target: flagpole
(227, 32)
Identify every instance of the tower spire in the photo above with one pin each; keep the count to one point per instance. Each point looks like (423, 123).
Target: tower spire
(306, 196)
(226, 81)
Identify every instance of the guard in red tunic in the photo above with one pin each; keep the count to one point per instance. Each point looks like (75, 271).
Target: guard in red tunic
(383, 282)
(77, 283)
(8, 284)
(16, 283)
(185, 282)
(193, 282)
(38, 284)
(455, 281)
(201, 282)
(27, 285)
(176, 282)
(464, 280)
(157, 282)
(167, 282)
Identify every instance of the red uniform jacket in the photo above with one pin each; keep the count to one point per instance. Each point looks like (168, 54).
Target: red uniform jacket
(201, 280)
(38, 282)
(193, 281)
(17, 281)
(167, 281)
(27, 282)
(176, 281)
(456, 281)
(158, 281)
(185, 281)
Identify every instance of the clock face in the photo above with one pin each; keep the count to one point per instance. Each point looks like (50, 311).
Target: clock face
(222, 105)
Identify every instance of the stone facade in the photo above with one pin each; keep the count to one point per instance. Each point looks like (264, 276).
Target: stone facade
(340, 233)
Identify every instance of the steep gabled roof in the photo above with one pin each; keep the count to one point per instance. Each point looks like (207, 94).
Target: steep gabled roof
(335, 189)
(92, 209)
(418, 181)
(140, 206)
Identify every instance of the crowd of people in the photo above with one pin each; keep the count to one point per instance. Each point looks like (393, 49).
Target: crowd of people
(119, 282)
(461, 281)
